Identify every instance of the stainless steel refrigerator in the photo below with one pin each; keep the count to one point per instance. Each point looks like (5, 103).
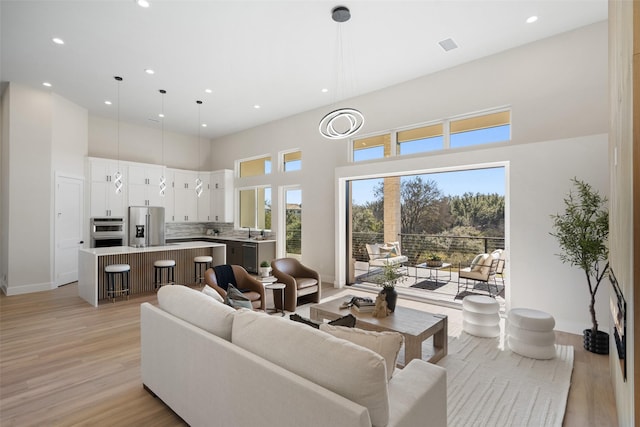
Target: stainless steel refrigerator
(146, 226)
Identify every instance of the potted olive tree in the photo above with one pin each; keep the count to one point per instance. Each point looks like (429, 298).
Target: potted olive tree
(582, 232)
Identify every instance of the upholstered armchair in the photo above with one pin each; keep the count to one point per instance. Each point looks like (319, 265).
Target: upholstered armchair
(247, 284)
(482, 269)
(300, 281)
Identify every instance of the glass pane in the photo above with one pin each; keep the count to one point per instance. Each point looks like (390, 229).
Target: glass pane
(420, 145)
(248, 208)
(374, 147)
(481, 136)
(255, 167)
(293, 165)
(368, 154)
(267, 208)
(293, 203)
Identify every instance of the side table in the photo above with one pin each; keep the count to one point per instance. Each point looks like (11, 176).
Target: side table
(274, 286)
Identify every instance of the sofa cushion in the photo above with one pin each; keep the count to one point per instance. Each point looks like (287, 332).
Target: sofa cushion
(198, 309)
(347, 369)
(208, 290)
(386, 344)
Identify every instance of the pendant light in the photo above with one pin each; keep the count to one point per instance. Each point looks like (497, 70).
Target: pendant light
(163, 179)
(118, 176)
(198, 180)
(343, 122)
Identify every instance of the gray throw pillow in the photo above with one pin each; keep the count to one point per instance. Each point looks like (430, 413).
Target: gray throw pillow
(235, 298)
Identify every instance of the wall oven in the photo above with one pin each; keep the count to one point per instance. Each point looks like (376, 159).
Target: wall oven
(107, 231)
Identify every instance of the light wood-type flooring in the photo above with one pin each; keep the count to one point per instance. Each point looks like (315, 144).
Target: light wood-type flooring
(66, 363)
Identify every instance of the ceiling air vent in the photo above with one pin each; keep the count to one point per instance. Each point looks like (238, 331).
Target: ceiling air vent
(448, 44)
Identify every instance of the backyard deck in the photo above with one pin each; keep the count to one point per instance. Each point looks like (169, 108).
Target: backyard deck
(420, 286)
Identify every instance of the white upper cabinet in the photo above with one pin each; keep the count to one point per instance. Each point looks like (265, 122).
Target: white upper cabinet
(204, 201)
(222, 196)
(185, 199)
(104, 200)
(144, 185)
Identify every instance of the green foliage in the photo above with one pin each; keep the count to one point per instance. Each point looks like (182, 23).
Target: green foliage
(294, 231)
(264, 264)
(481, 211)
(389, 277)
(582, 232)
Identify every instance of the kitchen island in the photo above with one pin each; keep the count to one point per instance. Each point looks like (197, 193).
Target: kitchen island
(91, 263)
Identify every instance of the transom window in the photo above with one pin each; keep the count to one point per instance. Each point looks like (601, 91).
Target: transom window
(255, 167)
(449, 133)
(292, 161)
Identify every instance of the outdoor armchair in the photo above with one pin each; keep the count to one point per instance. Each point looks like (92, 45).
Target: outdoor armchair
(482, 269)
(384, 254)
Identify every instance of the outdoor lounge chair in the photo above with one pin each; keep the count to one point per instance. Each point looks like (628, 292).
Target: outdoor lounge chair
(384, 254)
(482, 269)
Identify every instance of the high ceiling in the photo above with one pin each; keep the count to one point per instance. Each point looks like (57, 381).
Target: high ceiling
(275, 54)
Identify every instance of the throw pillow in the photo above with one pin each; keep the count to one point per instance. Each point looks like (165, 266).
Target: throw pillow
(478, 262)
(208, 290)
(386, 344)
(235, 298)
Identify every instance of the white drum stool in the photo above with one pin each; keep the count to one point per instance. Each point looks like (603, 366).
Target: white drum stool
(159, 266)
(200, 265)
(530, 333)
(113, 270)
(480, 316)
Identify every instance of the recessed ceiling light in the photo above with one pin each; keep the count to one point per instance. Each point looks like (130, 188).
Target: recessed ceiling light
(143, 3)
(204, 125)
(107, 102)
(57, 40)
(532, 19)
(47, 84)
(257, 107)
(149, 71)
(208, 90)
(161, 115)
(325, 90)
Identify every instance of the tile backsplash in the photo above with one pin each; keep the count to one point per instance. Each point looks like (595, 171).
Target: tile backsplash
(182, 229)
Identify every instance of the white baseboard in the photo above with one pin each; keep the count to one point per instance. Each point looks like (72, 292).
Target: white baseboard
(28, 288)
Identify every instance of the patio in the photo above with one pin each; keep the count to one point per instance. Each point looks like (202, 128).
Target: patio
(441, 292)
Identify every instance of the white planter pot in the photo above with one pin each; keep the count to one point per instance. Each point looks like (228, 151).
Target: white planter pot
(265, 271)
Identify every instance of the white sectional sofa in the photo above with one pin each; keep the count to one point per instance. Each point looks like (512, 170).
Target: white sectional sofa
(215, 366)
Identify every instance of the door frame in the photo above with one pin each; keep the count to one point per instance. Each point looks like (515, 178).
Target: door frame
(81, 180)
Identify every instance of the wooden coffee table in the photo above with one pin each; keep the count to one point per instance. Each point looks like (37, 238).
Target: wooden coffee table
(415, 325)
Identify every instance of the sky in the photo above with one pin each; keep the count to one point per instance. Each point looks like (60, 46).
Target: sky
(484, 181)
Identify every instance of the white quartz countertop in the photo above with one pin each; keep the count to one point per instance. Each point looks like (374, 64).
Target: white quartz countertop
(117, 250)
(230, 238)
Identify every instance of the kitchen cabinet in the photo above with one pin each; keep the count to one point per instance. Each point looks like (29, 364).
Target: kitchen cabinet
(144, 185)
(169, 197)
(104, 201)
(184, 193)
(222, 195)
(204, 201)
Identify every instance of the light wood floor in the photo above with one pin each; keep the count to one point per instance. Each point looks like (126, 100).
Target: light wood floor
(66, 363)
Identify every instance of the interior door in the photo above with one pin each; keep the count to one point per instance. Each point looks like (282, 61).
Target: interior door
(69, 226)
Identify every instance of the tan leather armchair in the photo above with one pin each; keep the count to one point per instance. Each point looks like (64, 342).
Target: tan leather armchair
(251, 287)
(300, 281)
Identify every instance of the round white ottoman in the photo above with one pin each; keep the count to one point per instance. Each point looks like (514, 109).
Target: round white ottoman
(480, 316)
(530, 333)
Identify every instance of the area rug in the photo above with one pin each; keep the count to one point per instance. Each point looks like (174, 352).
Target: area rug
(490, 386)
(430, 285)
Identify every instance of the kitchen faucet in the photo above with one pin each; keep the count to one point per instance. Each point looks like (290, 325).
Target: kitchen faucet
(249, 231)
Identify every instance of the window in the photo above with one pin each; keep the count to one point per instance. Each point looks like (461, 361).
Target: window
(418, 140)
(449, 133)
(374, 147)
(293, 215)
(292, 161)
(255, 208)
(255, 167)
(484, 129)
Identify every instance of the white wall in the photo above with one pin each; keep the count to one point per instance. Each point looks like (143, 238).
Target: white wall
(35, 124)
(144, 144)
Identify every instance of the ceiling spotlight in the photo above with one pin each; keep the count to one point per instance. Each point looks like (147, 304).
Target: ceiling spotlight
(532, 19)
(149, 71)
(257, 107)
(161, 115)
(47, 84)
(325, 90)
(107, 102)
(57, 40)
(204, 125)
(208, 90)
(143, 3)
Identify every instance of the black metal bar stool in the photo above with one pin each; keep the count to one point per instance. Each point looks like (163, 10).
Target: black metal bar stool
(161, 265)
(110, 272)
(200, 265)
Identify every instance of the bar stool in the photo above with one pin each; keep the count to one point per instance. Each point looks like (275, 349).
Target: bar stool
(110, 272)
(198, 263)
(161, 265)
